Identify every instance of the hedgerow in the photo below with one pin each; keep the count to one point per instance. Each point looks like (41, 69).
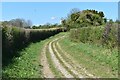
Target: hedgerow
(106, 36)
(15, 39)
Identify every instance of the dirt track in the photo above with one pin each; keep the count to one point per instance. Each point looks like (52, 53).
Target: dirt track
(70, 69)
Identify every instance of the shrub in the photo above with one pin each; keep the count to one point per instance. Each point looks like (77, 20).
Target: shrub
(15, 39)
(106, 36)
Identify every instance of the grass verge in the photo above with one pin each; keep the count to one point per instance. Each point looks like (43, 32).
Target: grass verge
(70, 60)
(97, 60)
(28, 64)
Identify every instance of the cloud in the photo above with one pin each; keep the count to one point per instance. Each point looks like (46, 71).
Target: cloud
(60, 21)
(38, 24)
(53, 18)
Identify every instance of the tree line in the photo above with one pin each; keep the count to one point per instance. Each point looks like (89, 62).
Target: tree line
(19, 22)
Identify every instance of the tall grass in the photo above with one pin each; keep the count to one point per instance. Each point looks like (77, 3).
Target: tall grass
(15, 39)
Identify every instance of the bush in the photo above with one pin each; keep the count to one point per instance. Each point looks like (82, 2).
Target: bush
(107, 36)
(15, 39)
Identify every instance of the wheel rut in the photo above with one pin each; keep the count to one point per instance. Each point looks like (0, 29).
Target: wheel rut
(69, 69)
(47, 73)
(57, 63)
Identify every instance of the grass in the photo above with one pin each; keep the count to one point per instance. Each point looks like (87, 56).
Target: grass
(93, 58)
(62, 63)
(69, 60)
(15, 39)
(55, 71)
(28, 64)
(97, 60)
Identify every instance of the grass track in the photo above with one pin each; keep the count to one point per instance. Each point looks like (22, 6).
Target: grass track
(71, 61)
(63, 64)
(52, 67)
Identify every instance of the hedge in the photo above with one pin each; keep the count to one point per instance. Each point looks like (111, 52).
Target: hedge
(106, 36)
(14, 39)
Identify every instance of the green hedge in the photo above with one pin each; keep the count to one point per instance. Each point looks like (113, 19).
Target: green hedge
(107, 36)
(15, 39)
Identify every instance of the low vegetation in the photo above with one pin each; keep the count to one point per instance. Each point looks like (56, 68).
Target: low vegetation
(46, 26)
(101, 35)
(27, 65)
(93, 58)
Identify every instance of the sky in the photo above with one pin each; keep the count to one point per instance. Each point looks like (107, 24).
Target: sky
(52, 12)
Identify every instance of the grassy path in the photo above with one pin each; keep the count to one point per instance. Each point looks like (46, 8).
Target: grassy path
(44, 62)
(68, 69)
(69, 60)
(75, 65)
(66, 64)
(57, 63)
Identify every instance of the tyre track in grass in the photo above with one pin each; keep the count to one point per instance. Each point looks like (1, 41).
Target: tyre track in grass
(47, 73)
(57, 63)
(74, 64)
(69, 69)
(66, 64)
(56, 72)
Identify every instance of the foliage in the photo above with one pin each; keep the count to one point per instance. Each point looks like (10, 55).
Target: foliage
(14, 39)
(97, 60)
(85, 18)
(107, 36)
(27, 65)
(46, 26)
(18, 23)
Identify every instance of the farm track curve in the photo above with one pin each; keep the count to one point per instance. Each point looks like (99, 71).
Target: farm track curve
(70, 69)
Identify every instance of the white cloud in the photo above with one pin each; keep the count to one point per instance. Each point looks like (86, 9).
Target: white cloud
(60, 21)
(38, 24)
(53, 18)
